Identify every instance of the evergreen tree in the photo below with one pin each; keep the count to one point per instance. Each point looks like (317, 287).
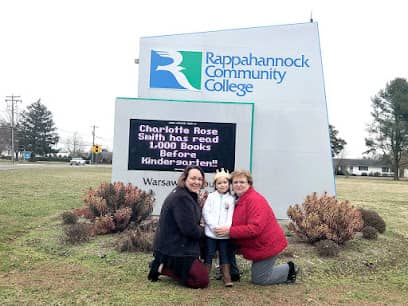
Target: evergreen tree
(37, 131)
(5, 135)
(337, 144)
(388, 132)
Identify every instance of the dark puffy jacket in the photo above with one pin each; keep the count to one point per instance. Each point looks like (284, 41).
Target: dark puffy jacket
(179, 227)
(255, 228)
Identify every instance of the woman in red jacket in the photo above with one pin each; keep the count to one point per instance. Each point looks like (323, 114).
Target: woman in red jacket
(257, 233)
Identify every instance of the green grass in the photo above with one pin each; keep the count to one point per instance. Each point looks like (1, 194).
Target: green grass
(37, 269)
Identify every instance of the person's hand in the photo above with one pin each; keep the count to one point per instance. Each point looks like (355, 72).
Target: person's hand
(222, 231)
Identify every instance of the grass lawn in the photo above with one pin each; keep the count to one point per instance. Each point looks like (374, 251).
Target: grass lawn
(37, 269)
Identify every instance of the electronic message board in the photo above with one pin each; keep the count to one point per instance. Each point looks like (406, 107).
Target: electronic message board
(167, 145)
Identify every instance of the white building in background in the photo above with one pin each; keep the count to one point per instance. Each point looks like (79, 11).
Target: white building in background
(365, 167)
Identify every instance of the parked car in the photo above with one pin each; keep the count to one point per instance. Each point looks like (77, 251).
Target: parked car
(77, 161)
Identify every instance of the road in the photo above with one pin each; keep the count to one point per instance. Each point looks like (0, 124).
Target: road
(38, 165)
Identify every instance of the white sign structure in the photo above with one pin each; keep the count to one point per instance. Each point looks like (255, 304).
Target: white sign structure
(156, 139)
(279, 68)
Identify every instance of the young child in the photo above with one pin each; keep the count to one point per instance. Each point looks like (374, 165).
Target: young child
(217, 211)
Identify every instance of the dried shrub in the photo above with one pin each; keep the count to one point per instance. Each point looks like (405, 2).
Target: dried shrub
(97, 205)
(104, 225)
(68, 217)
(370, 232)
(327, 248)
(136, 241)
(140, 202)
(114, 206)
(84, 212)
(122, 218)
(149, 225)
(324, 217)
(77, 233)
(372, 218)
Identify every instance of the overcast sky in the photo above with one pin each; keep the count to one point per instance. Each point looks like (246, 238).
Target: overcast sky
(78, 55)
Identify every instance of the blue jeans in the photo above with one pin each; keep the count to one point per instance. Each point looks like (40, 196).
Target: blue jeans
(217, 244)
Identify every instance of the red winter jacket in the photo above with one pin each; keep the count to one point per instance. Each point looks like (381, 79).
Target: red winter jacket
(255, 228)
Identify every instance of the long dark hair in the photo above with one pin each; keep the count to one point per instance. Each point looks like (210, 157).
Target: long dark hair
(182, 179)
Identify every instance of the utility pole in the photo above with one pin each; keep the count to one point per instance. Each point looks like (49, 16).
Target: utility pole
(93, 145)
(13, 99)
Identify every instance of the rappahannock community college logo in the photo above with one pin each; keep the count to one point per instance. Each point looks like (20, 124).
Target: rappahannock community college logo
(175, 69)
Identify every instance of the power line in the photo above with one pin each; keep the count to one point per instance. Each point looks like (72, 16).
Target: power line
(14, 100)
(69, 132)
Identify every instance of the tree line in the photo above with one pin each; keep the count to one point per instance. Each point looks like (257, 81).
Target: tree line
(35, 131)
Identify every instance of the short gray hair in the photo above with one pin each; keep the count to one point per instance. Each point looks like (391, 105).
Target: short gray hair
(244, 173)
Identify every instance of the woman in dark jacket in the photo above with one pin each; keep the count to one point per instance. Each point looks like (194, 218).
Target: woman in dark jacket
(257, 233)
(176, 245)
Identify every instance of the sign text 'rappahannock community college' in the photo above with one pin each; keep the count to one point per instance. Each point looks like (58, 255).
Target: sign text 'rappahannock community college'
(220, 73)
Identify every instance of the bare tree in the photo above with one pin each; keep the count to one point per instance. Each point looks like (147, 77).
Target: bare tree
(5, 127)
(74, 144)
